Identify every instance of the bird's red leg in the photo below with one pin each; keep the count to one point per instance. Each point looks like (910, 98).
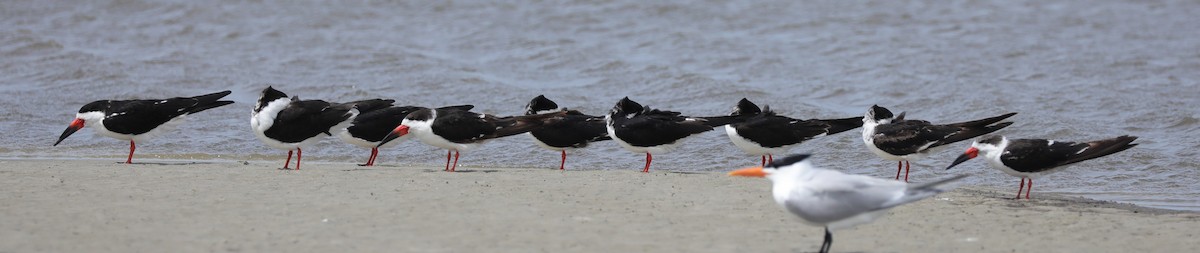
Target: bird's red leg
(907, 165)
(770, 158)
(564, 160)
(299, 153)
(1022, 188)
(899, 166)
(455, 161)
(1028, 189)
(648, 159)
(132, 147)
(289, 160)
(370, 159)
(374, 155)
(764, 161)
(447, 161)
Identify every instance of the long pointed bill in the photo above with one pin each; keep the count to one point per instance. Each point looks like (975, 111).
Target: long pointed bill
(971, 153)
(749, 172)
(396, 133)
(75, 126)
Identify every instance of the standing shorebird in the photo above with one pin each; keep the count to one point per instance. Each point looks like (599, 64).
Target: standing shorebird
(459, 130)
(292, 124)
(643, 130)
(575, 130)
(1029, 158)
(370, 126)
(139, 120)
(763, 133)
(835, 200)
(900, 140)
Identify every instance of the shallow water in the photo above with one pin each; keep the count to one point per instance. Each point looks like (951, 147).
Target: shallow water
(1074, 70)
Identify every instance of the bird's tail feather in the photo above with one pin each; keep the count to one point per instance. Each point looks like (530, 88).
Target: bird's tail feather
(717, 121)
(972, 133)
(372, 104)
(515, 125)
(983, 122)
(209, 101)
(842, 125)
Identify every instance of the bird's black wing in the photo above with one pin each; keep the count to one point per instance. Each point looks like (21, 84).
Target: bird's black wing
(1033, 155)
(374, 125)
(141, 116)
(303, 119)
(368, 105)
(573, 130)
(910, 136)
(778, 131)
(654, 129)
(461, 126)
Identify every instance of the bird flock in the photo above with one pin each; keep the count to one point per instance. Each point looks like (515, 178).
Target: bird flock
(820, 197)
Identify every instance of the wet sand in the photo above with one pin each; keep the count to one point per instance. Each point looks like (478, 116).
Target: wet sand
(100, 206)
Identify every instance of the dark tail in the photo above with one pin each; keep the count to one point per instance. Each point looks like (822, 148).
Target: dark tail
(371, 104)
(209, 101)
(514, 125)
(842, 125)
(972, 132)
(459, 107)
(983, 122)
(724, 120)
(1104, 147)
(975, 128)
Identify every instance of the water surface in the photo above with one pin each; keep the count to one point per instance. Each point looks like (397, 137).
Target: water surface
(1074, 70)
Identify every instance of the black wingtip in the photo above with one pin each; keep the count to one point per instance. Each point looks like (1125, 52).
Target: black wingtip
(984, 122)
(789, 160)
(842, 125)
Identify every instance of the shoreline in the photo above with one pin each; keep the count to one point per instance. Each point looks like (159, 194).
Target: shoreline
(98, 206)
(991, 191)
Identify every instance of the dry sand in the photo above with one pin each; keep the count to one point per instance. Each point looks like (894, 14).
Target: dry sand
(100, 206)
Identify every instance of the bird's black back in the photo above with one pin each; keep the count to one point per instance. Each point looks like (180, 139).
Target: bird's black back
(904, 137)
(1034, 155)
(461, 126)
(655, 127)
(303, 119)
(141, 116)
(575, 130)
(774, 131)
(375, 124)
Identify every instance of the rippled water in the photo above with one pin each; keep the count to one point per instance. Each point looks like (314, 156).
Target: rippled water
(1074, 70)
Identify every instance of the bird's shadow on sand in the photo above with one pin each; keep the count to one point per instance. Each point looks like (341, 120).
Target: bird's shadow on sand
(687, 172)
(166, 163)
(462, 171)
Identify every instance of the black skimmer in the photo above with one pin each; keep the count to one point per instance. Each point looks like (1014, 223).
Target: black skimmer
(763, 133)
(370, 126)
(139, 120)
(291, 124)
(458, 130)
(1028, 158)
(652, 131)
(901, 140)
(835, 200)
(575, 130)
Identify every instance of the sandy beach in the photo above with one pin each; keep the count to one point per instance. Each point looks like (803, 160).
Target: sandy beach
(227, 206)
